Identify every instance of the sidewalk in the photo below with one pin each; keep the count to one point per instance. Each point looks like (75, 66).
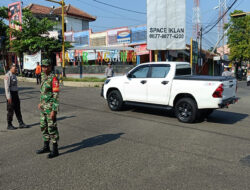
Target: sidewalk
(65, 83)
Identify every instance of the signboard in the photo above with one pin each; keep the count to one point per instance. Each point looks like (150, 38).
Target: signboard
(216, 58)
(193, 55)
(141, 50)
(30, 61)
(139, 34)
(123, 36)
(195, 52)
(166, 28)
(15, 15)
(112, 35)
(85, 56)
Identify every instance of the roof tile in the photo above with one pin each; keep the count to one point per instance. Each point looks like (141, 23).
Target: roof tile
(68, 10)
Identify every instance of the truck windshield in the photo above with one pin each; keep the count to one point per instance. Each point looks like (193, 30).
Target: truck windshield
(183, 69)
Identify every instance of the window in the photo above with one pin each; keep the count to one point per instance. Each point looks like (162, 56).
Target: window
(68, 38)
(141, 72)
(183, 69)
(82, 40)
(112, 39)
(160, 71)
(100, 41)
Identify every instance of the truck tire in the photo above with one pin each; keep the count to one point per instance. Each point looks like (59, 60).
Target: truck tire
(115, 101)
(186, 110)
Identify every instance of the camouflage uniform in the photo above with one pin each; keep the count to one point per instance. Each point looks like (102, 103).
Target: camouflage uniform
(49, 102)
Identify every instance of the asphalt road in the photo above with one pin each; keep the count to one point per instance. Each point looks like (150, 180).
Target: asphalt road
(139, 149)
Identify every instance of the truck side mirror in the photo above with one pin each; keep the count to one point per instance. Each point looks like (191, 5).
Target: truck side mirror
(129, 75)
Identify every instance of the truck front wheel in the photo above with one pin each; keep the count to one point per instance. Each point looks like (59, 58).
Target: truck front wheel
(115, 101)
(186, 110)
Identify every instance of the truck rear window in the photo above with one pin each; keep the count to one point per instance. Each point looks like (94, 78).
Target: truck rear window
(183, 70)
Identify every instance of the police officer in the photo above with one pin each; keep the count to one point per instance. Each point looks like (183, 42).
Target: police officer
(49, 108)
(13, 101)
(109, 72)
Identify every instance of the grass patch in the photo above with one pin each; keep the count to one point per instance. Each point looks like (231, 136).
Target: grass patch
(85, 79)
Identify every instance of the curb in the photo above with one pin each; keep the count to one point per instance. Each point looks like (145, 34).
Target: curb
(65, 83)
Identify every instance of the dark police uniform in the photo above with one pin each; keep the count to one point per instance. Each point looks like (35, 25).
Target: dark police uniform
(11, 92)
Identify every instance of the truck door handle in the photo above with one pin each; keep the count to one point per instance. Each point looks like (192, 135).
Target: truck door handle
(143, 81)
(164, 82)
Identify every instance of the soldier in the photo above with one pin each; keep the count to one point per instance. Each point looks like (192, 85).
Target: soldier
(13, 101)
(49, 108)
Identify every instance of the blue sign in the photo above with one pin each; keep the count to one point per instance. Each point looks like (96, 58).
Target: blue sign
(123, 36)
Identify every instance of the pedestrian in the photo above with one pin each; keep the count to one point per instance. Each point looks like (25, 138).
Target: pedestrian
(227, 72)
(49, 108)
(38, 73)
(109, 72)
(13, 101)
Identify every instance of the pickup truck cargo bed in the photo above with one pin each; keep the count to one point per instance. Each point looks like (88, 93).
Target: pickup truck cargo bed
(203, 78)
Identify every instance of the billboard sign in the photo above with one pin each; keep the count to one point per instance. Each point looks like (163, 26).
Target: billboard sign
(166, 28)
(15, 15)
(123, 36)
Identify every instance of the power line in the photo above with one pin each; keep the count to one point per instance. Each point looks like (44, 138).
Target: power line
(129, 10)
(211, 43)
(221, 17)
(101, 9)
(100, 16)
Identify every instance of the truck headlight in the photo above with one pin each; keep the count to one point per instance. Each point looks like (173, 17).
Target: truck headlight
(107, 81)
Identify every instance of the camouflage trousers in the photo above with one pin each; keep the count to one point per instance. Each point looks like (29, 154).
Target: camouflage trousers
(48, 127)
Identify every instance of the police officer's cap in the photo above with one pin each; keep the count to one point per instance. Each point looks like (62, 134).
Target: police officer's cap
(13, 65)
(45, 62)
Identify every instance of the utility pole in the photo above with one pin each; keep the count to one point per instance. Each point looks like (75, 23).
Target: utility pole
(200, 60)
(223, 25)
(63, 43)
(196, 21)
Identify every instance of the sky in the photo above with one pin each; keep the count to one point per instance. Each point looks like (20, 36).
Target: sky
(108, 17)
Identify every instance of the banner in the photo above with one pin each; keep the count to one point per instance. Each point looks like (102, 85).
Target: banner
(15, 15)
(166, 28)
(30, 61)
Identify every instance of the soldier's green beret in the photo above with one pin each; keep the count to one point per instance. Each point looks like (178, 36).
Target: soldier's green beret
(45, 62)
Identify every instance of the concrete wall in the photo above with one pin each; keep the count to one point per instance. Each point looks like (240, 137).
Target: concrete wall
(94, 69)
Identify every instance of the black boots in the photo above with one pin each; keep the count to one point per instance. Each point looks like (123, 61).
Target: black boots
(54, 152)
(11, 127)
(21, 126)
(45, 148)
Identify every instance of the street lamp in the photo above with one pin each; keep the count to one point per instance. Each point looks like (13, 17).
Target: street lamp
(240, 14)
(63, 44)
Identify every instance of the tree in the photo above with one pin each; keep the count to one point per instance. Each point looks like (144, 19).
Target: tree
(3, 26)
(239, 37)
(34, 36)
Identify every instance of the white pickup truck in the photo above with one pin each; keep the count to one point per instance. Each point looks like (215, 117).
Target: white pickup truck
(170, 85)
